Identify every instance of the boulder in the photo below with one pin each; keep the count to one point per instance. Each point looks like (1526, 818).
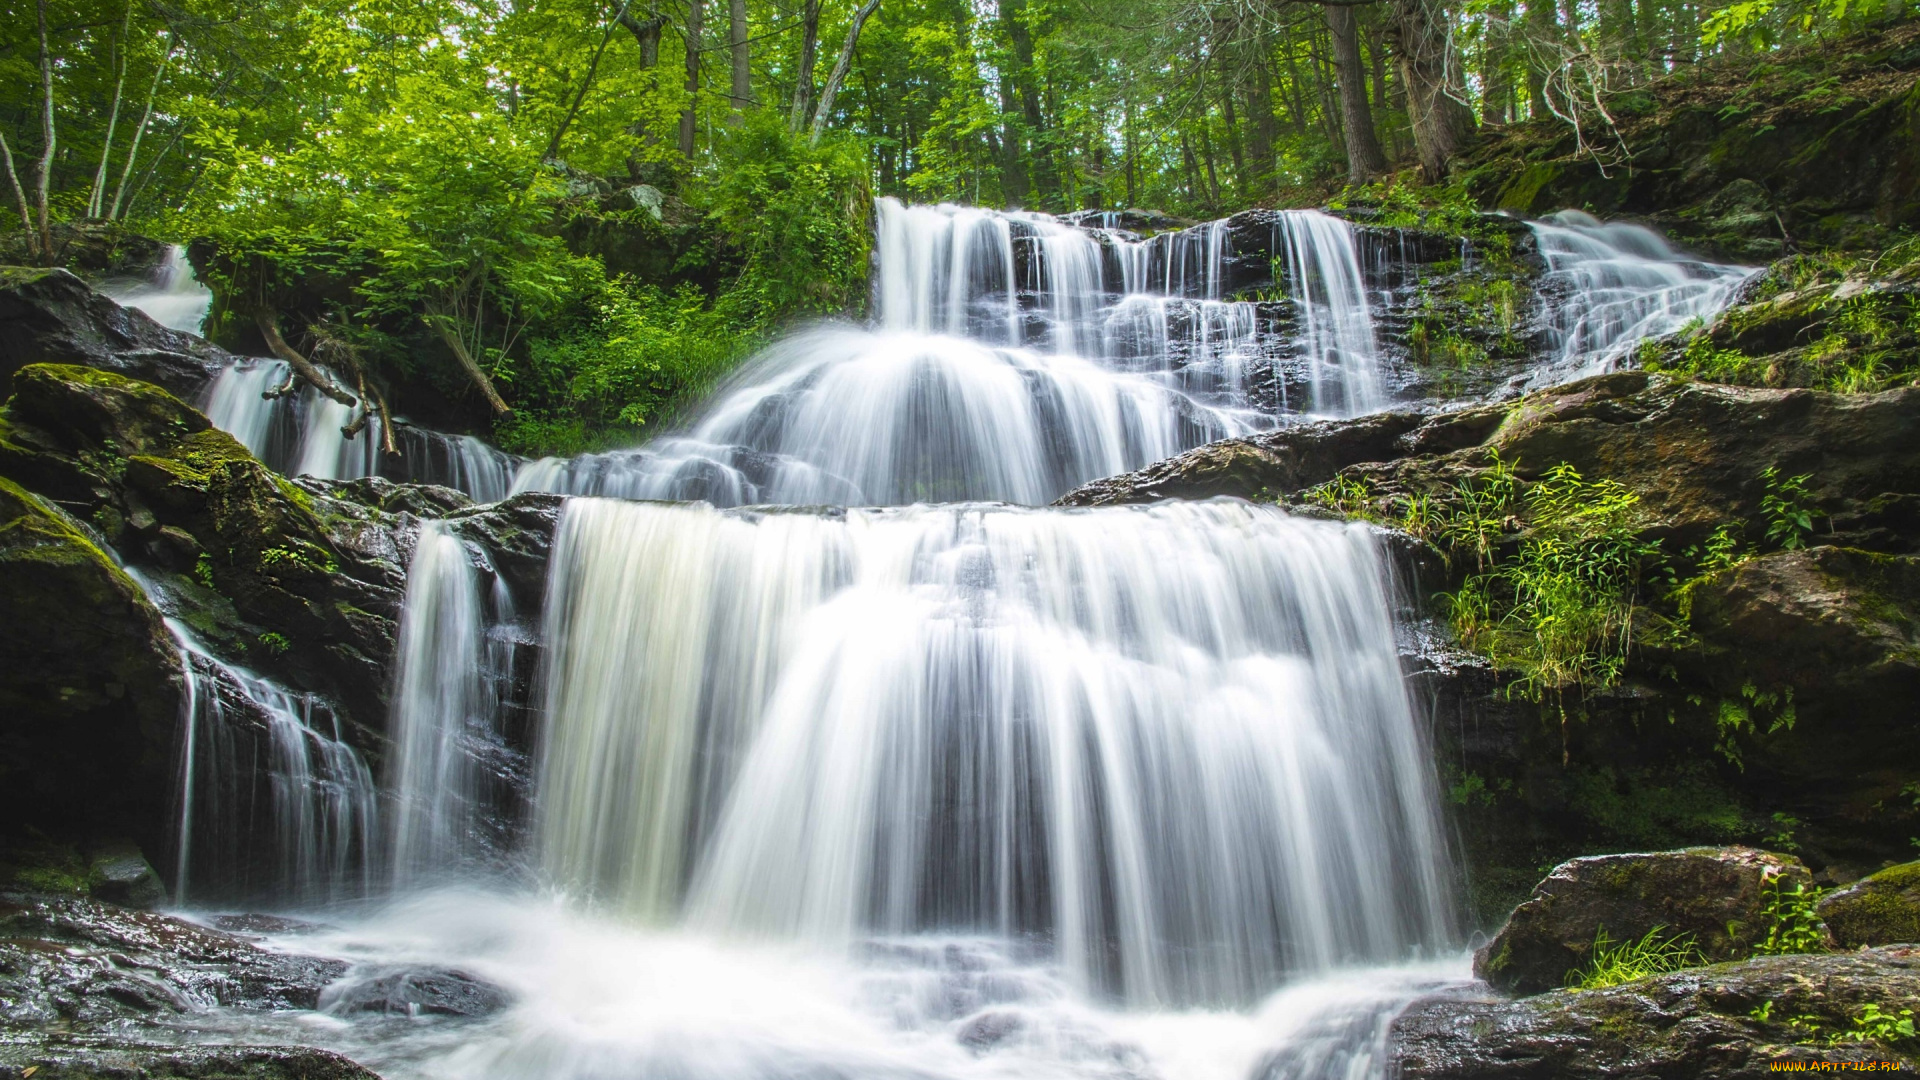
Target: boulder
(120, 874)
(1708, 1023)
(83, 963)
(59, 1056)
(1883, 909)
(1716, 895)
(413, 992)
(90, 690)
(51, 316)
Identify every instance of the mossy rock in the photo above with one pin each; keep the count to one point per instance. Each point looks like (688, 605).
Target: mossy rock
(1883, 909)
(1716, 896)
(90, 691)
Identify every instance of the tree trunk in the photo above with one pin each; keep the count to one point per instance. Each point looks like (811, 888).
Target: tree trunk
(97, 197)
(1496, 78)
(20, 197)
(1366, 162)
(46, 134)
(1264, 131)
(1233, 141)
(269, 323)
(443, 322)
(841, 66)
(803, 81)
(1542, 34)
(1041, 165)
(647, 33)
(146, 117)
(593, 68)
(742, 88)
(1436, 95)
(690, 118)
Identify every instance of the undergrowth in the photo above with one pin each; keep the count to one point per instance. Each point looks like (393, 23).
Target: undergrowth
(1612, 963)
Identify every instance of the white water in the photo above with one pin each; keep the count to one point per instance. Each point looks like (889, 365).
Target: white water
(1614, 285)
(303, 433)
(1011, 357)
(599, 999)
(174, 298)
(955, 791)
(273, 805)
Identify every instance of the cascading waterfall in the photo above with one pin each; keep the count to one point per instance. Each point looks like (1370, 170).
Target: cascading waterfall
(273, 803)
(1011, 357)
(947, 791)
(173, 298)
(302, 432)
(1613, 285)
(1172, 740)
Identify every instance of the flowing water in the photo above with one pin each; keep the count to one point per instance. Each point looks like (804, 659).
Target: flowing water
(1613, 285)
(299, 431)
(850, 787)
(173, 298)
(1012, 357)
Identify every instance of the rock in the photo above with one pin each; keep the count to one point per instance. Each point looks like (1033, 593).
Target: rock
(90, 688)
(1717, 895)
(1883, 909)
(1264, 466)
(51, 316)
(413, 992)
(82, 962)
(55, 1056)
(120, 874)
(1712, 1023)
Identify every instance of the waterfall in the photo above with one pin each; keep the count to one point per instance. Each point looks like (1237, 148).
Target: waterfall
(1011, 357)
(1173, 739)
(1330, 295)
(273, 803)
(173, 298)
(1614, 285)
(302, 433)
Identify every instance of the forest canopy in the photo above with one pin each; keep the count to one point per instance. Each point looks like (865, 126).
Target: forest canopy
(451, 192)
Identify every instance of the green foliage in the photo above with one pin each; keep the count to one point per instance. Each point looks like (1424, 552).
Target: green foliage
(1877, 1025)
(1559, 612)
(1613, 963)
(1788, 509)
(1793, 926)
(275, 643)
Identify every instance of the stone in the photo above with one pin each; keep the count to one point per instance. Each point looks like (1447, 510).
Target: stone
(51, 316)
(413, 992)
(1708, 1023)
(1716, 895)
(120, 874)
(1882, 909)
(55, 1056)
(90, 689)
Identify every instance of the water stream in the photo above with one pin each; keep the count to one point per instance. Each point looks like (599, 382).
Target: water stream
(173, 297)
(906, 778)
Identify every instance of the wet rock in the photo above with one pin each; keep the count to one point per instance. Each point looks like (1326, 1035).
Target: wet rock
(82, 962)
(990, 1029)
(1719, 1022)
(54, 1056)
(251, 923)
(413, 992)
(1882, 909)
(1716, 895)
(90, 687)
(1264, 466)
(51, 316)
(120, 874)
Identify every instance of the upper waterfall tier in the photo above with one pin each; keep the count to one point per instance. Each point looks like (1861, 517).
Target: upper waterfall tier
(1012, 357)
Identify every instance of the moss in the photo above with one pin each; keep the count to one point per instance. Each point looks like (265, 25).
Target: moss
(1520, 194)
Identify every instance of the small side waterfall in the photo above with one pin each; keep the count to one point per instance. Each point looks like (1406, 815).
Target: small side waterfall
(1173, 740)
(273, 804)
(302, 433)
(1613, 285)
(174, 298)
(1330, 295)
